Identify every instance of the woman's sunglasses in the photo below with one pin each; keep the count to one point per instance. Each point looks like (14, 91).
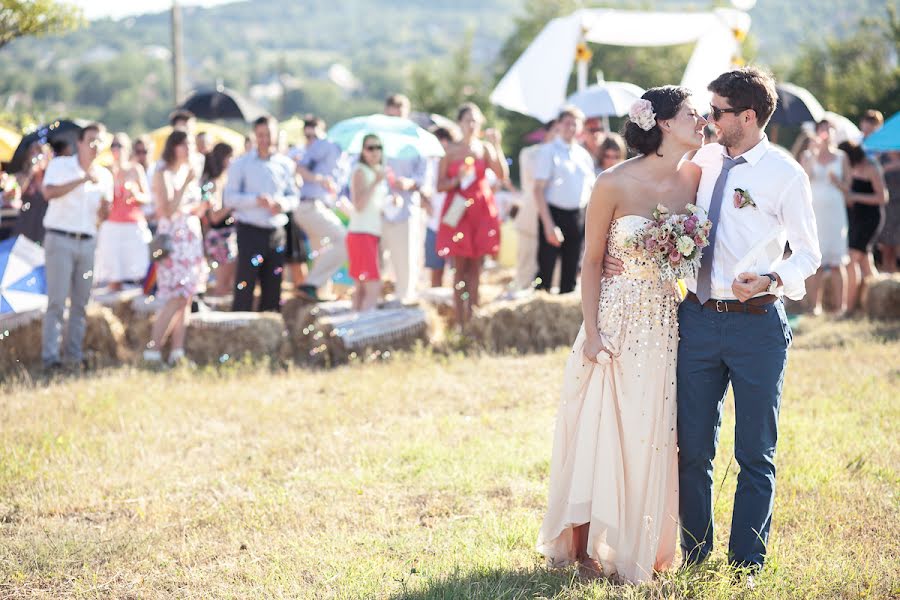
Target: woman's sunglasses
(373, 148)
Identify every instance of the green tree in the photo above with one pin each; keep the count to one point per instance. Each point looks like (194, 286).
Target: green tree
(851, 75)
(19, 18)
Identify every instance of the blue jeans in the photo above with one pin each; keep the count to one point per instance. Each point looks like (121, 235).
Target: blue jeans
(749, 352)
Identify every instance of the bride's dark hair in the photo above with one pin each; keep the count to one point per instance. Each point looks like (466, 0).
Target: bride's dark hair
(666, 101)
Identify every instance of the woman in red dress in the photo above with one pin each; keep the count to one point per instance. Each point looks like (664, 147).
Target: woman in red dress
(470, 224)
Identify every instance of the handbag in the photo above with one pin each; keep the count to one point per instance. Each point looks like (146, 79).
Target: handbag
(160, 246)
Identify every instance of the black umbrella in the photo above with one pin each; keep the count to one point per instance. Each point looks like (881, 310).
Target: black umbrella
(64, 130)
(796, 105)
(222, 103)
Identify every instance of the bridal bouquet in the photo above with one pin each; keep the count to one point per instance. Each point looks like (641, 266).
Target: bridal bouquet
(674, 242)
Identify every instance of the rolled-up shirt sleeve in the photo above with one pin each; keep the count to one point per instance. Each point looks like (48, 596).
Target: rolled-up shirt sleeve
(234, 196)
(799, 222)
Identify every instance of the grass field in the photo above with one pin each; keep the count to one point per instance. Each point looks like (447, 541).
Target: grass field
(422, 477)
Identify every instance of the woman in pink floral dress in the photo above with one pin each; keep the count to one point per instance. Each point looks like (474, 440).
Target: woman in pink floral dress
(183, 270)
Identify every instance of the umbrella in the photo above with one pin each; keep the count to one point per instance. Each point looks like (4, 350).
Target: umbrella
(606, 99)
(885, 139)
(844, 129)
(23, 283)
(9, 141)
(64, 129)
(796, 105)
(401, 137)
(217, 133)
(430, 120)
(222, 103)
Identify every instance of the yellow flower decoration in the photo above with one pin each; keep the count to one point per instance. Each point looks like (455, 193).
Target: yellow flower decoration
(583, 53)
(739, 34)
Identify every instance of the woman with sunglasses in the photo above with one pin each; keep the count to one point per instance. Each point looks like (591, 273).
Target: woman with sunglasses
(122, 241)
(470, 224)
(368, 194)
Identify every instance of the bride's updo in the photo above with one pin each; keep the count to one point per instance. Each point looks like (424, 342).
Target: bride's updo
(665, 102)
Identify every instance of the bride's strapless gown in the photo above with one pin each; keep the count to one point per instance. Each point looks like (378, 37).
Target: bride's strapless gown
(614, 459)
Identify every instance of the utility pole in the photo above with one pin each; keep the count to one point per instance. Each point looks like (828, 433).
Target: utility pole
(177, 54)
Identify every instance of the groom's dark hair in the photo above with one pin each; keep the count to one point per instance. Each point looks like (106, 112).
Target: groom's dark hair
(749, 87)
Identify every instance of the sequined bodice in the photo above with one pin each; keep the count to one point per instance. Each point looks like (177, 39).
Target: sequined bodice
(635, 262)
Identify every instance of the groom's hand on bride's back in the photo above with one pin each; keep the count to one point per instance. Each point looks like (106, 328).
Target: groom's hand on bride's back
(612, 266)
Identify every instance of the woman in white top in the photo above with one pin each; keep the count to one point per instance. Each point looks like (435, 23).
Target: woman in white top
(828, 171)
(368, 193)
(182, 271)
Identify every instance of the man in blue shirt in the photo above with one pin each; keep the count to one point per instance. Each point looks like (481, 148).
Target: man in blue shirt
(321, 167)
(261, 188)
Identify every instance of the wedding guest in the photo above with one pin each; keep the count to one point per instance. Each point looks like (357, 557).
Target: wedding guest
(525, 217)
(402, 219)
(612, 151)
(470, 223)
(182, 272)
(220, 240)
(184, 120)
(140, 153)
(76, 189)
(563, 177)
(829, 172)
(872, 120)
(203, 143)
(368, 193)
(889, 240)
(30, 181)
(866, 196)
(433, 202)
(321, 170)
(122, 243)
(261, 188)
(10, 200)
(592, 136)
(801, 144)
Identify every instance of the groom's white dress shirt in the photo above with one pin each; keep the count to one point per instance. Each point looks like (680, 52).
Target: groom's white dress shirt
(783, 213)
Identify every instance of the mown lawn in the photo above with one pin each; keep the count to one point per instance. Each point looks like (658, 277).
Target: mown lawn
(419, 477)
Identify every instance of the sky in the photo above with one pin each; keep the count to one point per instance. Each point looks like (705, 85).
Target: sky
(97, 9)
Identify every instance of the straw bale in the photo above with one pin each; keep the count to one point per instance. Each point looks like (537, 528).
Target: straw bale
(881, 296)
(219, 336)
(105, 335)
(533, 324)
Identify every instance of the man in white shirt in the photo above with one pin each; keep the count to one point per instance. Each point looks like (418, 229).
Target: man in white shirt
(76, 190)
(733, 324)
(563, 175)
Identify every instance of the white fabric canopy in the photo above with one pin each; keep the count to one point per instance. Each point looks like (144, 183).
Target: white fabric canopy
(536, 84)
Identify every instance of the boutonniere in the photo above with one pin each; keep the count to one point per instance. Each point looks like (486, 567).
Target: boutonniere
(742, 198)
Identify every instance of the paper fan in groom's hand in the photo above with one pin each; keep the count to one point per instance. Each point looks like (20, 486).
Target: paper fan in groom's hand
(23, 283)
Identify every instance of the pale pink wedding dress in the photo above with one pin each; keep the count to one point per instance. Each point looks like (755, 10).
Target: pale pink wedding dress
(614, 453)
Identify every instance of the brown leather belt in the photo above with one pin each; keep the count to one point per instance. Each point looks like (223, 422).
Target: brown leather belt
(754, 306)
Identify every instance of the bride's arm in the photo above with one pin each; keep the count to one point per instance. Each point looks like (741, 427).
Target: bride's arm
(598, 218)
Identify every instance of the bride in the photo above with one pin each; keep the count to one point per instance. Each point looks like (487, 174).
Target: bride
(613, 501)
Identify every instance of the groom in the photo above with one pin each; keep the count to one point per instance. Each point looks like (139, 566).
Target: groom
(733, 326)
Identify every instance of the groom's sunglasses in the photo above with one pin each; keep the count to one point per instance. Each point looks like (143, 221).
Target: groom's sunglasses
(716, 113)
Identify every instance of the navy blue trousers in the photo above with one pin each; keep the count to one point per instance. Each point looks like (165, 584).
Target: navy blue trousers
(749, 352)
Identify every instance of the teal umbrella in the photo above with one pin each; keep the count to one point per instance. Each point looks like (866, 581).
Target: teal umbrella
(401, 137)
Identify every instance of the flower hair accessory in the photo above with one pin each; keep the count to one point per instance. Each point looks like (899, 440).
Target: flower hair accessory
(642, 115)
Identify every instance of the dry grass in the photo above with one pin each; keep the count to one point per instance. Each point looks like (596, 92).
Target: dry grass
(419, 477)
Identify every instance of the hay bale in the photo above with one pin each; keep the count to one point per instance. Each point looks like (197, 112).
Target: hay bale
(218, 336)
(532, 324)
(20, 342)
(137, 317)
(881, 296)
(340, 337)
(299, 315)
(104, 335)
(21, 339)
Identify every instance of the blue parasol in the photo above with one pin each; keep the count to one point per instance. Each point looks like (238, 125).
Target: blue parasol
(23, 283)
(885, 139)
(401, 138)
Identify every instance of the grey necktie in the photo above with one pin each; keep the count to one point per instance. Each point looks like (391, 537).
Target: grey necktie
(704, 275)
